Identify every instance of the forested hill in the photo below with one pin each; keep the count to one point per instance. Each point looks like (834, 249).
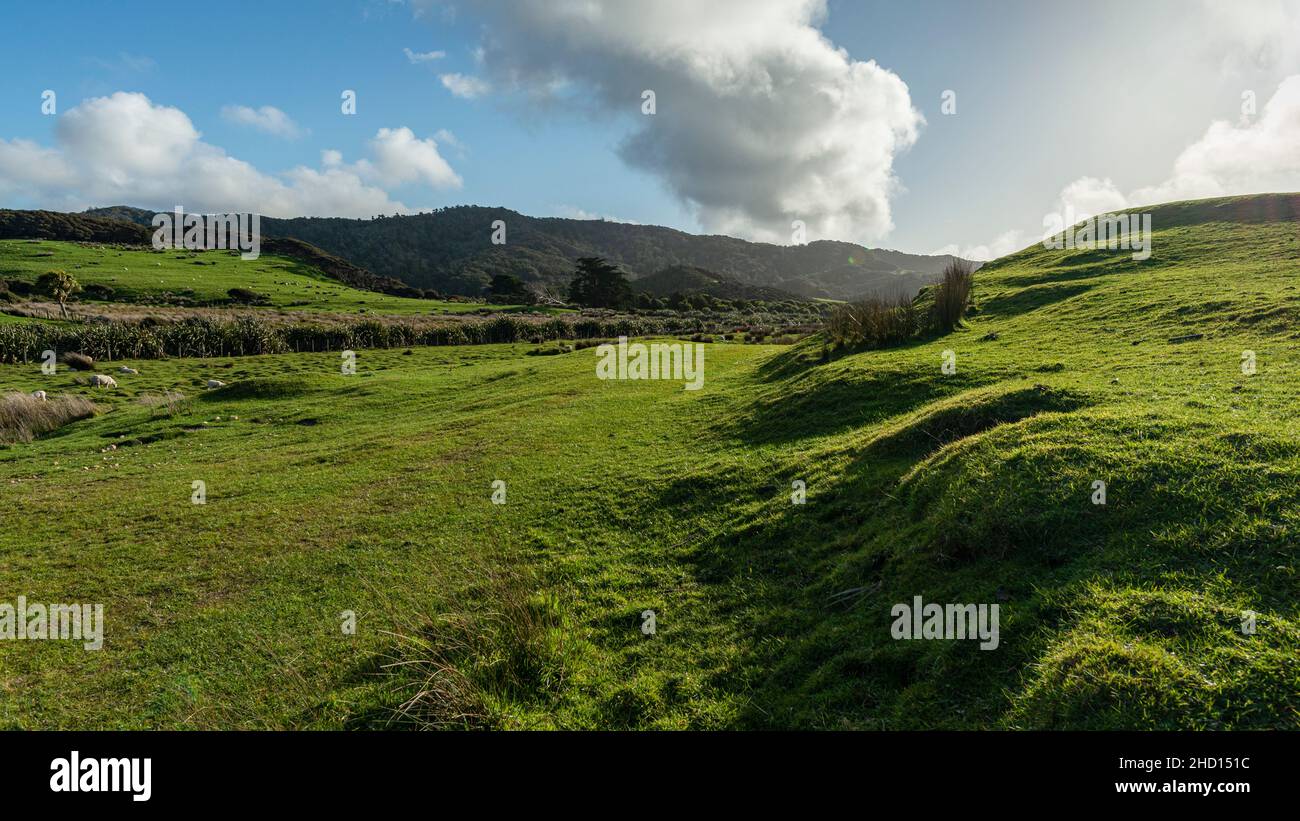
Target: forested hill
(451, 250)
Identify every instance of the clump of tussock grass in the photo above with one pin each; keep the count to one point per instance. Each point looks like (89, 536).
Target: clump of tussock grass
(23, 417)
(78, 361)
(873, 322)
(167, 403)
(495, 646)
(952, 295)
(877, 322)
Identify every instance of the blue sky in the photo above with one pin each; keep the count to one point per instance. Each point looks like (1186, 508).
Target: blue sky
(1094, 106)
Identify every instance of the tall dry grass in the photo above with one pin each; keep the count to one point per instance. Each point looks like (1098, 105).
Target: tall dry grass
(167, 403)
(883, 323)
(952, 295)
(873, 322)
(23, 417)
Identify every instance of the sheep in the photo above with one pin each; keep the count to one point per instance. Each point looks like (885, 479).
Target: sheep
(99, 380)
(125, 369)
(39, 395)
(216, 383)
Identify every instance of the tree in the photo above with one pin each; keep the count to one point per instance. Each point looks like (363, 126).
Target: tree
(508, 289)
(597, 283)
(59, 284)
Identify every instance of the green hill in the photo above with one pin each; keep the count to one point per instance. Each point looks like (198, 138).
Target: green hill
(451, 250)
(142, 275)
(371, 495)
(687, 279)
(127, 227)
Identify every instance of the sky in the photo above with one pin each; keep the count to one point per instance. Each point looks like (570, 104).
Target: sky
(925, 126)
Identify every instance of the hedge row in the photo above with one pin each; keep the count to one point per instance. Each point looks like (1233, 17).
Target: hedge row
(244, 336)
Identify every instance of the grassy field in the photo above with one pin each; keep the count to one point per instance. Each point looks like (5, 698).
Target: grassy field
(372, 493)
(142, 275)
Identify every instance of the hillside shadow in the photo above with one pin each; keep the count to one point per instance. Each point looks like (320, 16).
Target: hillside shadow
(1031, 299)
(805, 585)
(802, 583)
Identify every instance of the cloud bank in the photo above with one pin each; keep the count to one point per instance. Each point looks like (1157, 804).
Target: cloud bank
(124, 148)
(1250, 157)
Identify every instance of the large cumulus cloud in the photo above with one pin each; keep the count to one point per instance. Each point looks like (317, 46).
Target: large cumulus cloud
(760, 120)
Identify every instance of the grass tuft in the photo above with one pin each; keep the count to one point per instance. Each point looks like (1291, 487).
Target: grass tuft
(23, 417)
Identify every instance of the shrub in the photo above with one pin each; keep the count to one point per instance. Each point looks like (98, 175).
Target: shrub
(952, 295)
(244, 296)
(104, 293)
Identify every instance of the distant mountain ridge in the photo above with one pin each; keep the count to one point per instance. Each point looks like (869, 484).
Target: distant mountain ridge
(451, 250)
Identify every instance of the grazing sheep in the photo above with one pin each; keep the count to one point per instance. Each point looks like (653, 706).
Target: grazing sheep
(216, 383)
(99, 380)
(125, 369)
(39, 395)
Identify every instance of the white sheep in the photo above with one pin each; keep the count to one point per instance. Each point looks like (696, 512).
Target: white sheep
(125, 369)
(99, 380)
(216, 383)
(39, 395)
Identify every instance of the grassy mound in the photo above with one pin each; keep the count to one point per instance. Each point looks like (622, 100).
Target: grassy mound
(272, 387)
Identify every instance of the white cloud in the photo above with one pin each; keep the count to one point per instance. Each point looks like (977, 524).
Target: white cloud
(760, 120)
(444, 136)
(267, 118)
(1229, 159)
(23, 164)
(401, 157)
(1006, 243)
(1089, 196)
(1265, 35)
(126, 149)
(423, 57)
(464, 85)
(574, 213)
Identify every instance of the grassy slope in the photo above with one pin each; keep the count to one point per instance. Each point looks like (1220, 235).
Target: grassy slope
(626, 496)
(141, 274)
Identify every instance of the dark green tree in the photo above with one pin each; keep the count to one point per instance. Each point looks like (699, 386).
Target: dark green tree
(508, 288)
(598, 283)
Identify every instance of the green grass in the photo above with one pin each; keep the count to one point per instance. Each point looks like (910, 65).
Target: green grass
(142, 275)
(372, 493)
